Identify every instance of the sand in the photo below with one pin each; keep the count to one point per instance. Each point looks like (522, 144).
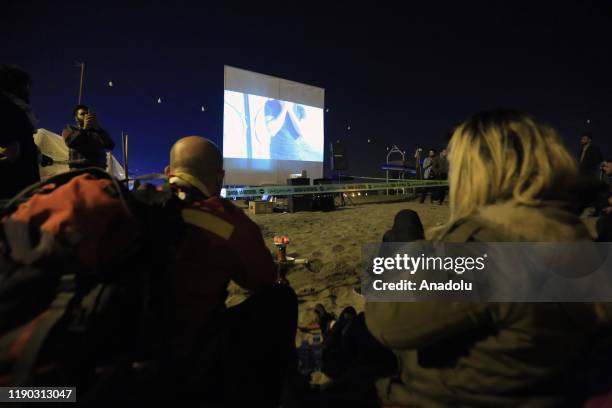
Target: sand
(331, 241)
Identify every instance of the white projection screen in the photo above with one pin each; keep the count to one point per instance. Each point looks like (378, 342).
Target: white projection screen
(272, 128)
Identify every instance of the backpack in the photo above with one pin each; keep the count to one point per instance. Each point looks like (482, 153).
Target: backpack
(84, 284)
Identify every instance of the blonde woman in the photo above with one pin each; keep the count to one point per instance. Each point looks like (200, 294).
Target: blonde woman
(508, 181)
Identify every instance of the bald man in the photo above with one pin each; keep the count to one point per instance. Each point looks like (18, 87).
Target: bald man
(221, 243)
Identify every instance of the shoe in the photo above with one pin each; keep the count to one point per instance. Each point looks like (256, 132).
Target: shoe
(324, 318)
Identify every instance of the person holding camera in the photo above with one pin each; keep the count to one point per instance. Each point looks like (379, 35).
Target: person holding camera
(589, 156)
(87, 141)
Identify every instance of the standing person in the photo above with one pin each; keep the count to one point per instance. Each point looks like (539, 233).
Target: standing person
(440, 169)
(428, 173)
(589, 156)
(418, 167)
(87, 141)
(18, 153)
(604, 204)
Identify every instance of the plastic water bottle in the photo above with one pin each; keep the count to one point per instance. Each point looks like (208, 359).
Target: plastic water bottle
(304, 358)
(317, 352)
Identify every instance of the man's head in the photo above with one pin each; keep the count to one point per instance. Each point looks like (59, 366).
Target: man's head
(79, 113)
(200, 158)
(586, 138)
(443, 152)
(16, 81)
(607, 167)
(432, 152)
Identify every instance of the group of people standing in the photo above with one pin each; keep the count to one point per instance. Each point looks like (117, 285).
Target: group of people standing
(433, 167)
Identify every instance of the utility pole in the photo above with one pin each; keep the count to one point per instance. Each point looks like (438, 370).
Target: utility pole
(82, 65)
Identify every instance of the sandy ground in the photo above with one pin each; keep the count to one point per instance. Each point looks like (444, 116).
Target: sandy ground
(331, 241)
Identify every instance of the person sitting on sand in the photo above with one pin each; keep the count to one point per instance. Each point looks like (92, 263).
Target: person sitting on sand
(509, 177)
(509, 181)
(221, 243)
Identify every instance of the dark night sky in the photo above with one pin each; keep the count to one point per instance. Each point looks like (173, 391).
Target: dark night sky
(396, 76)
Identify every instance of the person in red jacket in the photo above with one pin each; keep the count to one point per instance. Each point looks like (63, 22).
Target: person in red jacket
(221, 243)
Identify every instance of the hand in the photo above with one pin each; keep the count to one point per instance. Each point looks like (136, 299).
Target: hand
(10, 153)
(90, 121)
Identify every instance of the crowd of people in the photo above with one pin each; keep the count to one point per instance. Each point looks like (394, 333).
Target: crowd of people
(510, 180)
(433, 167)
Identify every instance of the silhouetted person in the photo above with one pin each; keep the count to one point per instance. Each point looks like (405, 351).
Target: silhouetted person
(428, 173)
(440, 170)
(589, 156)
(18, 153)
(406, 227)
(87, 141)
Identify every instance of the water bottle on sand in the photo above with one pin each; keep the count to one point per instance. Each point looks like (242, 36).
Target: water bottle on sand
(317, 352)
(305, 359)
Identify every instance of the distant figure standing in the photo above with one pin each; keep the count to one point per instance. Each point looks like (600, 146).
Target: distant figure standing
(428, 173)
(86, 140)
(589, 156)
(418, 167)
(18, 153)
(440, 170)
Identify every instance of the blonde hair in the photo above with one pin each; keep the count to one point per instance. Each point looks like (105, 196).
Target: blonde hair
(505, 155)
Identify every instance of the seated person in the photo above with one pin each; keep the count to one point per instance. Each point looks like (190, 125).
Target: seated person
(86, 140)
(406, 227)
(255, 338)
(490, 354)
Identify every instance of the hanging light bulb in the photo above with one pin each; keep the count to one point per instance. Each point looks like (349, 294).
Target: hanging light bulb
(110, 84)
(159, 100)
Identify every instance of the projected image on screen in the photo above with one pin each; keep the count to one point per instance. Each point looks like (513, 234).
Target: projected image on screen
(257, 127)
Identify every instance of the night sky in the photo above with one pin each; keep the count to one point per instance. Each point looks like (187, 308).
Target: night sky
(400, 76)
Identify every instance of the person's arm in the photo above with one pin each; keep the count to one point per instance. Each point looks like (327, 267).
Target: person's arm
(87, 140)
(295, 121)
(72, 136)
(104, 138)
(412, 325)
(254, 267)
(275, 124)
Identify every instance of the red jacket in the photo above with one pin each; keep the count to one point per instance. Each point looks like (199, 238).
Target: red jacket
(220, 244)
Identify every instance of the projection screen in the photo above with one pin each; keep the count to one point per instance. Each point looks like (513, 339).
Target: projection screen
(272, 128)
